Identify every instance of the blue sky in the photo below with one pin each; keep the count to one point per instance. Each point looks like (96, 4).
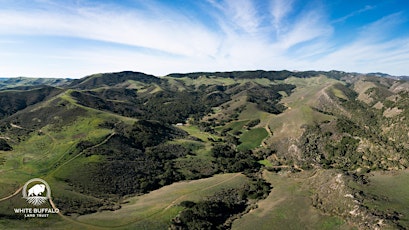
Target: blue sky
(75, 38)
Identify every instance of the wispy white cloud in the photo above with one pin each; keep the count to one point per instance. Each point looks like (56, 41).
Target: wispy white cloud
(382, 28)
(279, 11)
(364, 57)
(237, 16)
(308, 27)
(355, 13)
(244, 14)
(372, 50)
(174, 35)
(158, 39)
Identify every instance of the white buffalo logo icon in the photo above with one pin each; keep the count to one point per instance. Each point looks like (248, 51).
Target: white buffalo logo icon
(38, 194)
(36, 190)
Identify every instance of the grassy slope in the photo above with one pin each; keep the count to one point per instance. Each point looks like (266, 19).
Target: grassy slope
(286, 125)
(156, 209)
(212, 80)
(204, 80)
(287, 207)
(54, 161)
(391, 193)
(289, 204)
(361, 87)
(203, 136)
(150, 211)
(49, 144)
(299, 112)
(252, 139)
(46, 154)
(236, 125)
(196, 132)
(40, 154)
(252, 112)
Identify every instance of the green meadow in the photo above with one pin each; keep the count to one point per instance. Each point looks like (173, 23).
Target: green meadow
(388, 192)
(252, 138)
(155, 209)
(287, 207)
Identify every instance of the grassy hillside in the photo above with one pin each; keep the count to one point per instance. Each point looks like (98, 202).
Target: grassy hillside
(288, 207)
(249, 149)
(156, 209)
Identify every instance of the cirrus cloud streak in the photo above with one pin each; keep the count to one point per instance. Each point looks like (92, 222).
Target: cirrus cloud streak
(159, 39)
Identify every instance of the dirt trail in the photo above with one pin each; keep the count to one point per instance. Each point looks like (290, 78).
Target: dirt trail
(267, 128)
(72, 220)
(83, 151)
(54, 207)
(15, 193)
(131, 222)
(172, 203)
(270, 134)
(16, 126)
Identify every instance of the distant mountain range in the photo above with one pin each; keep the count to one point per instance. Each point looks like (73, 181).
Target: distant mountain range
(24, 81)
(27, 81)
(389, 76)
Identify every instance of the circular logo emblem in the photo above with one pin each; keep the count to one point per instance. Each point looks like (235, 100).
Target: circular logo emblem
(38, 191)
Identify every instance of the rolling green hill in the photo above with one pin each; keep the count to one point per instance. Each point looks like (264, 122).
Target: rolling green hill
(208, 150)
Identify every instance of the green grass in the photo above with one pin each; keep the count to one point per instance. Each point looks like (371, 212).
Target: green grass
(175, 83)
(196, 132)
(391, 191)
(252, 112)
(137, 84)
(145, 212)
(208, 80)
(266, 163)
(289, 123)
(252, 138)
(287, 207)
(261, 81)
(235, 126)
(338, 93)
(204, 136)
(212, 80)
(156, 209)
(41, 153)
